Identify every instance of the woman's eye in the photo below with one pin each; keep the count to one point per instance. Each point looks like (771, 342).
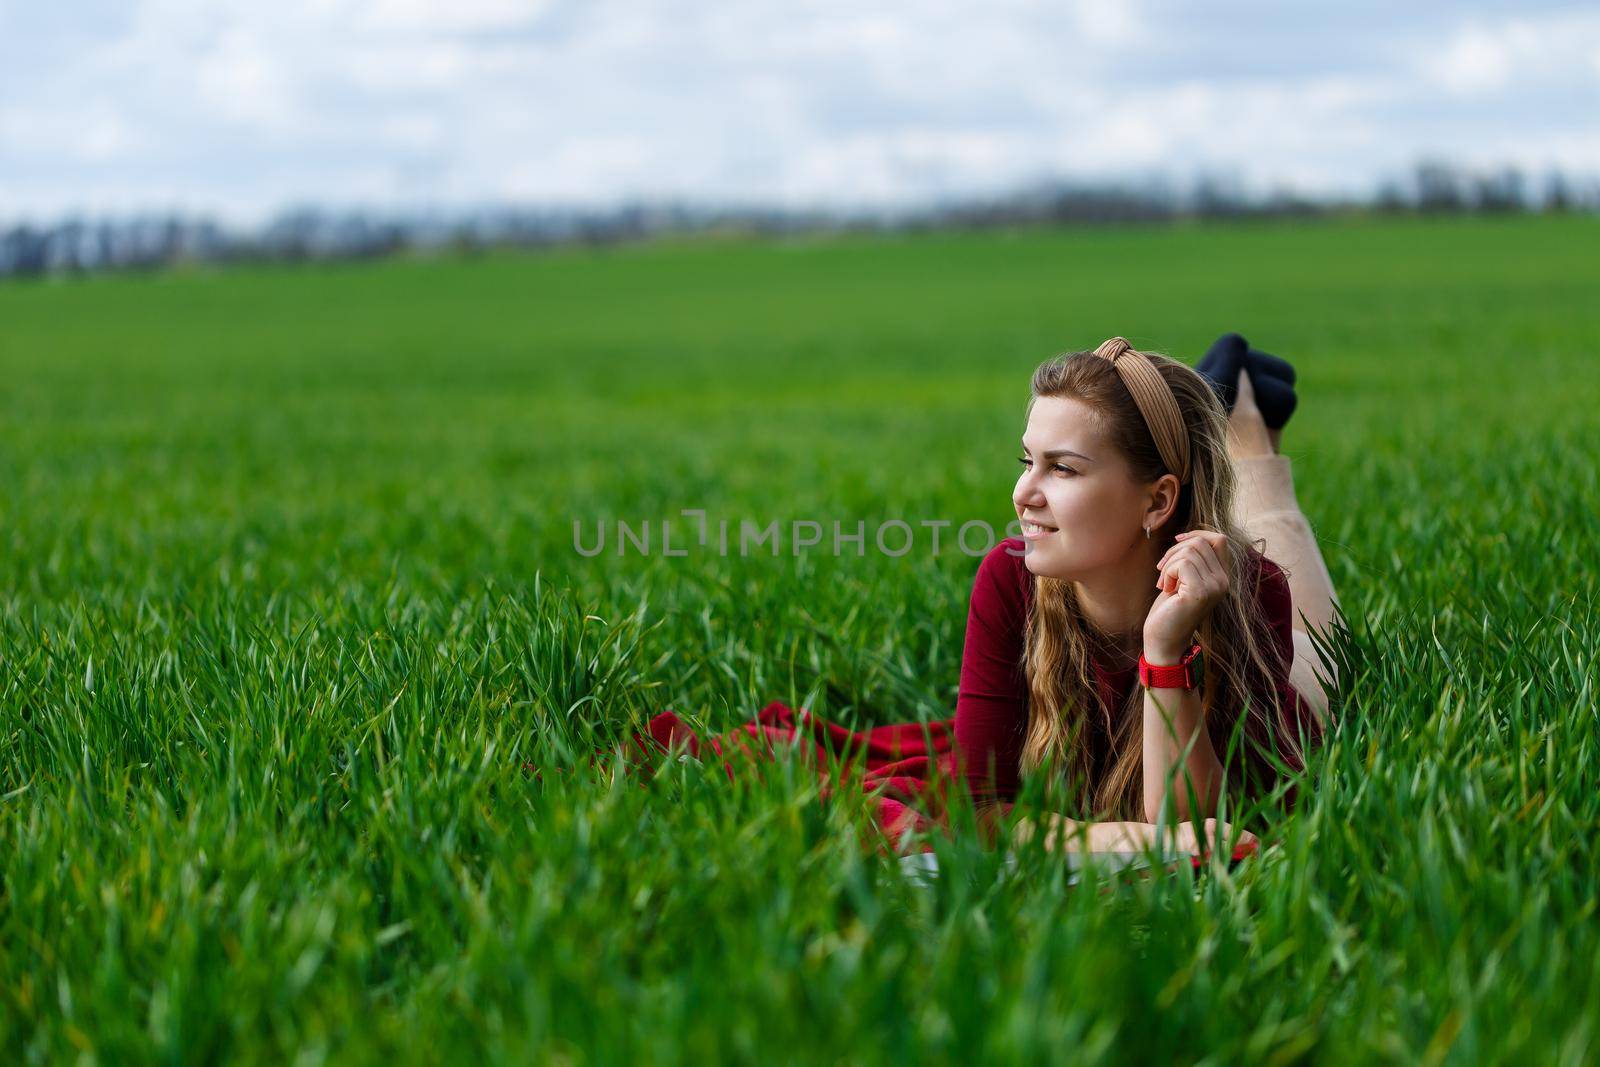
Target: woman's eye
(1026, 463)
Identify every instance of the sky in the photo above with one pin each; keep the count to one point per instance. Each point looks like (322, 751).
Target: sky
(241, 110)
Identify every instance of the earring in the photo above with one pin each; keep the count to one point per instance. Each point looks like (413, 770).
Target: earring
(1147, 533)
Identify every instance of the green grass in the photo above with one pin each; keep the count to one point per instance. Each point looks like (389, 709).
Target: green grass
(288, 597)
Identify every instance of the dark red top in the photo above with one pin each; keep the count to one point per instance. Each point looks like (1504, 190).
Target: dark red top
(992, 704)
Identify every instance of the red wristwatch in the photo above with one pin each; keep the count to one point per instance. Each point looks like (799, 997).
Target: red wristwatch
(1185, 674)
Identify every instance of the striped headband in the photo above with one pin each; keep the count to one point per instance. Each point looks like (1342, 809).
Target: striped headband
(1155, 400)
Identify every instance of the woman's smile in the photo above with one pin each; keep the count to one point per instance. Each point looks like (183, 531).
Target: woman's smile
(1033, 531)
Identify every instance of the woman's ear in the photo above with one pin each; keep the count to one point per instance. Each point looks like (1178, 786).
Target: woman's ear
(1163, 501)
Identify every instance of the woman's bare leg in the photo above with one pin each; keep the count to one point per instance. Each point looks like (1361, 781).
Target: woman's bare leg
(1267, 509)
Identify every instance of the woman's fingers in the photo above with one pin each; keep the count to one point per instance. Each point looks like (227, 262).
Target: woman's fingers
(1163, 575)
(1173, 553)
(1168, 577)
(1183, 574)
(1184, 568)
(1207, 573)
(1217, 551)
(1189, 538)
(1206, 553)
(1221, 831)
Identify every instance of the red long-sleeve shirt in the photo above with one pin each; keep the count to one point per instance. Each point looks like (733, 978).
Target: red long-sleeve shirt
(992, 703)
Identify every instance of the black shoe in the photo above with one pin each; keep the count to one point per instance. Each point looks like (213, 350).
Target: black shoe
(1272, 378)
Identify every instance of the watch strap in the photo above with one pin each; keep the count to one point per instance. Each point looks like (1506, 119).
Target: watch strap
(1185, 674)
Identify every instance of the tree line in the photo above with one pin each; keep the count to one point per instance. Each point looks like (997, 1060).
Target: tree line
(76, 245)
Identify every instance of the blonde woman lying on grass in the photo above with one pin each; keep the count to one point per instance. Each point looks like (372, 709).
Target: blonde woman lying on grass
(1159, 597)
(1159, 521)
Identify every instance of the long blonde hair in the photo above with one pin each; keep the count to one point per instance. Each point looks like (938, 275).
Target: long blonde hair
(1238, 656)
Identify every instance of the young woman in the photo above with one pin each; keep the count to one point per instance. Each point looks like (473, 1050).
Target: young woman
(1153, 615)
(1143, 502)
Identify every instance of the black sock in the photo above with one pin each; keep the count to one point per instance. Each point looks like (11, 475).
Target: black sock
(1221, 365)
(1276, 399)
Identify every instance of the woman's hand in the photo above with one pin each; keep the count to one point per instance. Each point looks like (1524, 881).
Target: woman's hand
(1066, 835)
(1182, 837)
(1192, 577)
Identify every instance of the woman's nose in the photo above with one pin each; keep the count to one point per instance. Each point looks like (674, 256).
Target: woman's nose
(1027, 492)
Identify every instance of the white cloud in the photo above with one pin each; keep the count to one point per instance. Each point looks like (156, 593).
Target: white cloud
(243, 79)
(1486, 57)
(430, 16)
(242, 108)
(1109, 22)
(1475, 60)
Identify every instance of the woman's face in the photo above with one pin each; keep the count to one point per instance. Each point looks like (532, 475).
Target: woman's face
(1077, 486)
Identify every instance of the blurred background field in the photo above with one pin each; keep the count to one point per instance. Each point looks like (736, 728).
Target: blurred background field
(290, 596)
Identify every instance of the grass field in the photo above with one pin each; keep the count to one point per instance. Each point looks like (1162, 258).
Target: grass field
(289, 595)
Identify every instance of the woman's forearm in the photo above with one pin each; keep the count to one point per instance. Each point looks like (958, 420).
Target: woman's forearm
(1172, 718)
(1062, 834)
